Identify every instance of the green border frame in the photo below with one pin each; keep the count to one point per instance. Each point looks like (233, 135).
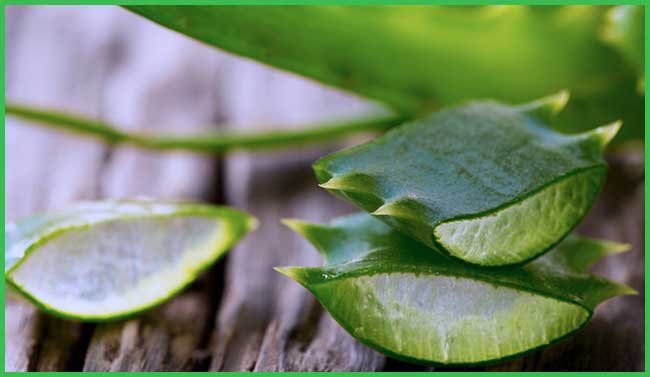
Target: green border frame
(6, 3)
(320, 2)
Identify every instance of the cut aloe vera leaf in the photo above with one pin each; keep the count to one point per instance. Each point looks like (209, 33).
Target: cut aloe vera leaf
(106, 260)
(488, 183)
(420, 58)
(394, 295)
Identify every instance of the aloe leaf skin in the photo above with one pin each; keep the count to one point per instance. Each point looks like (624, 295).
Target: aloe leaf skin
(394, 295)
(216, 143)
(101, 261)
(484, 182)
(420, 58)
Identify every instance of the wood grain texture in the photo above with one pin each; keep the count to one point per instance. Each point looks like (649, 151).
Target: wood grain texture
(38, 161)
(241, 315)
(168, 338)
(267, 322)
(162, 82)
(150, 80)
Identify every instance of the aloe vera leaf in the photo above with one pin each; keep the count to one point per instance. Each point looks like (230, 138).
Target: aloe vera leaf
(394, 295)
(106, 260)
(589, 109)
(420, 58)
(624, 29)
(488, 183)
(215, 143)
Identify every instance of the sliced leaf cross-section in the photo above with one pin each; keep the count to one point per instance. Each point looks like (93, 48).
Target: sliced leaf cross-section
(106, 260)
(394, 295)
(488, 183)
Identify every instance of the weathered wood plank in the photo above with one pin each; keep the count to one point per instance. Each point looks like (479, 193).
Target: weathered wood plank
(167, 83)
(132, 72)
(21, 334)
(47, 169)
(266, 321)
(167, 338)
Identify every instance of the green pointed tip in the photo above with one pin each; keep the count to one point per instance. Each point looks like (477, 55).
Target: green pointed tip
(310, 232)
(304, 228)
(548, 107)
(583, 253)
(297, 226)
(631, 291)
(617, 247)
(286, 271)
(397, 208)
(294, 273)
(628, 291)
(605, 134)
(389, 209)
(335, 183)
(251, 224)
(557, 102)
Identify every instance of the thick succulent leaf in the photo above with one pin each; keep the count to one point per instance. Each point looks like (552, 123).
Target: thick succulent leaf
(106, 260)
(416, 58)
(483, 182)
(394, 295)
(622, 100)
(625, 31)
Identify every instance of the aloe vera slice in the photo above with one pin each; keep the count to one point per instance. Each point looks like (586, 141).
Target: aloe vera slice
(394, 295)
(488, 183)
(106, 260)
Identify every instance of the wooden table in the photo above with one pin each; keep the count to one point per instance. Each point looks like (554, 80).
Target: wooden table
(241, 315)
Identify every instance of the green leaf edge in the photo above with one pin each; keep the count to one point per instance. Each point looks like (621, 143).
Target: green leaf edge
(291, 273)
(296, 273)
(394, 355)
(209, 143)
(613, 248)
(243, 224)
(543, 109)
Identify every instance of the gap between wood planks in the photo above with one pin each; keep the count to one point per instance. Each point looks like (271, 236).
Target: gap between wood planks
(113, 74)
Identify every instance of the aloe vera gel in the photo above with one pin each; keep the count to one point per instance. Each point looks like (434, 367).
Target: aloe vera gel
(463, 256)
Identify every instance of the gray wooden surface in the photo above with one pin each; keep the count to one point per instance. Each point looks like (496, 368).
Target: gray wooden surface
(241, 315)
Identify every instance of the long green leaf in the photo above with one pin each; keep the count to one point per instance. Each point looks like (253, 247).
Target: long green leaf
(394, 295)
(484, 182)
(215, 143)
(418, 58)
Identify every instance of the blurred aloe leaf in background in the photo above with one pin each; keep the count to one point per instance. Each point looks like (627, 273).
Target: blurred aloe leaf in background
(624, 30)
(417, 58)
(216, 142)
